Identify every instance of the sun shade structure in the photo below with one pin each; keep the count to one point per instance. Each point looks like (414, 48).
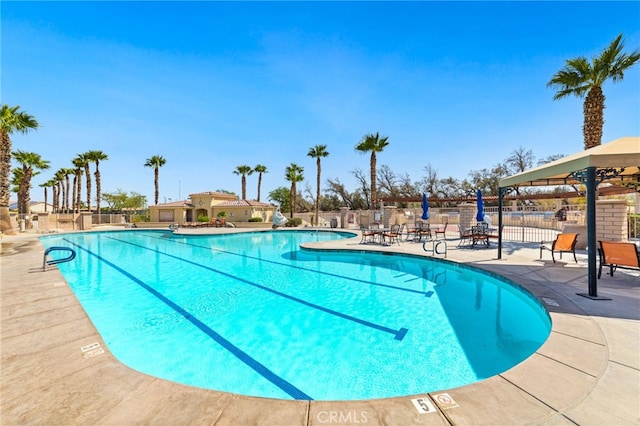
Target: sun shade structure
(622, 155)
(616, 162)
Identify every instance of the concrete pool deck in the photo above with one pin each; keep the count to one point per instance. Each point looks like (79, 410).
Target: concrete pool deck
(587, 373)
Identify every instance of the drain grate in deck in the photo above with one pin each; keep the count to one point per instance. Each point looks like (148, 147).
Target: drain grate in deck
(91, 350)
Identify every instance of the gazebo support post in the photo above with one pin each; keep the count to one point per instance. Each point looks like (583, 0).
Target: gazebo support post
(591, 236)
(501, 192)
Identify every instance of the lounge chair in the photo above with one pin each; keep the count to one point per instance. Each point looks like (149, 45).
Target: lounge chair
(564, 243)
(618, 255)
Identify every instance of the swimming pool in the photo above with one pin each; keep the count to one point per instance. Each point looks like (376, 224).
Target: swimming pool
(252, 313)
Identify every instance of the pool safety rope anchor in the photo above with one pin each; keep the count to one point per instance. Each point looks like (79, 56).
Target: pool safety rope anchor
(435, 247)
(45, 262)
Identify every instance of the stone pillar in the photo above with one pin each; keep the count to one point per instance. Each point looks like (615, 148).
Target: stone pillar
(344, 223)
(467, 215)
(611, 220)
(85, 221)
(43, 222)
(389, 216)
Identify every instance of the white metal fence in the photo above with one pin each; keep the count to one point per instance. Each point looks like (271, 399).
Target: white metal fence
(524, 223)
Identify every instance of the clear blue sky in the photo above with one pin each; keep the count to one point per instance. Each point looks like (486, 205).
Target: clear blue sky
(214, 85)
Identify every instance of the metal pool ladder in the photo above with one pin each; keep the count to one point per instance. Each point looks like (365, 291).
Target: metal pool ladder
(45, 262)
(435, 246)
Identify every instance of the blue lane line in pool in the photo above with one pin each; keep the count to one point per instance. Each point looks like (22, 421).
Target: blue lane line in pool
(409, 290)
(398, 334)
(287, 387)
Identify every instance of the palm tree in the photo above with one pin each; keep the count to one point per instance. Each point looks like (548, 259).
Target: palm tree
(28, 161)
(260, 169)
(293, 173)
(579, 77)
(374, 144)
(11, 120)
(82, 164)
(16, 186)
(58, 178)
(318, 152)
(77, 185)
(67, 183)
(243, 171)
(48, 184)
(156, 162)
(96, 157)
(87, 173)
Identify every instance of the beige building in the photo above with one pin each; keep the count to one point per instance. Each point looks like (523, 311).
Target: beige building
(209, 205)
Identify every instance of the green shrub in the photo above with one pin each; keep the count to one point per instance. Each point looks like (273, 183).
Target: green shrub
(634, 225)
(255, 219)
(222, 214)
(293, 222)
(140, 218)
(203, 218)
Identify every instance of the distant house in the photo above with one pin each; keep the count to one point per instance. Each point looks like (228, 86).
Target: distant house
(209, 205)
(35, 207)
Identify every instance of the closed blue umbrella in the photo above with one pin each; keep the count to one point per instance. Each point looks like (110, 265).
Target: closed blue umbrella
(480, 214)
(425, 207)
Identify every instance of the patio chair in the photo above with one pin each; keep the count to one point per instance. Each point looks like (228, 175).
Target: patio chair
(414, 231)
(368, 235)
(442, 230)
(464, 236)
(393, 234)
(564, 243)
(616, 254)
(479, 235)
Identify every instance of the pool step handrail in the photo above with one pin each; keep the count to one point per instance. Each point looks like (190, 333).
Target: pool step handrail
(46, 262)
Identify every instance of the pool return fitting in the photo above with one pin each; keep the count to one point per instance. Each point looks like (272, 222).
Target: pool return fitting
(45, 262)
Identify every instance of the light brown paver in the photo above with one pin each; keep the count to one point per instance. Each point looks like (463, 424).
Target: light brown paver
(587, 373)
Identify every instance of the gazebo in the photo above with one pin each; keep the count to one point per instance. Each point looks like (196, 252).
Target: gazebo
(616, 162)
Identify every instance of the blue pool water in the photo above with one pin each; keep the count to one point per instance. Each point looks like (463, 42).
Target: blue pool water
(252, 313)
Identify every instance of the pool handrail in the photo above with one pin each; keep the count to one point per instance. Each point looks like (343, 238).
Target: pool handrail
(46, 262)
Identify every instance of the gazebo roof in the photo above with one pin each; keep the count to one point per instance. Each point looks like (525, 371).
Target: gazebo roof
(619, 159)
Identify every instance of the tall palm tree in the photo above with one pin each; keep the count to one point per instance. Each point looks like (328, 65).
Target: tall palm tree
(293, 173)
(67, 183)
(579, 77)
(48, 184)
(87, 173)
(81, 164)
(156, 162)
(374, 144)
(243, 171)
(96, 157)
(318, 152)
(260, 169)
(58, 178)
(16, 186)
(11, 120)
(29, 161)
(77, 189)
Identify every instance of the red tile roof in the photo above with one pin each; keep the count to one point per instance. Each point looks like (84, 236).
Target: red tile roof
(243, 203)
